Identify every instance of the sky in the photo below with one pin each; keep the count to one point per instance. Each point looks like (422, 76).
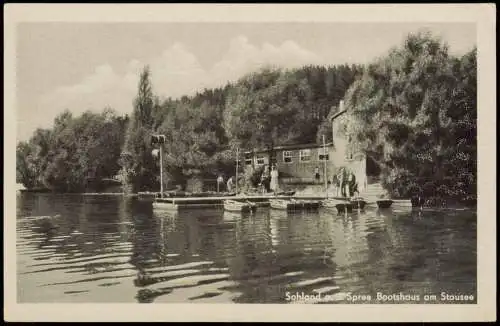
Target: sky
(90, 66)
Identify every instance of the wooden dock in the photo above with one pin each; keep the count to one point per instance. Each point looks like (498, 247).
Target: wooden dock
(176, 203)
(203, 202)
(258, 198)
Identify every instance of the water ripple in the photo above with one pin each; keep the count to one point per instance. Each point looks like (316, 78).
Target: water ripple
(113, 249)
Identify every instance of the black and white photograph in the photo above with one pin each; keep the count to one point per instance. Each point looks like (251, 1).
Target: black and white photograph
(265, 162)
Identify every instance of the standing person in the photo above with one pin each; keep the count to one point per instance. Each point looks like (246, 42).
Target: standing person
(274, 179)
(230, 184)
(342, 183)
(349, 184)
(316, 175)
(334, 185)
(352, 184)
(220, 182)
(248, 179)
(265, 178)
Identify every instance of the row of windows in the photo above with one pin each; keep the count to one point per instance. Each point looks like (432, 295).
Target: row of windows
(304, 156)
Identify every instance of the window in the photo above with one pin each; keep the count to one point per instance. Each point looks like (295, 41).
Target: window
(259, 160)
(348, 154)
(305, 155)
(287, 156)
(248, 159)
(348, 150)
(323, 154)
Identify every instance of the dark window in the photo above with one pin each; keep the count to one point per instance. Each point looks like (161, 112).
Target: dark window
(259, 160)
(323, 154)
(248, 159)
(305, 155)
(287, 156)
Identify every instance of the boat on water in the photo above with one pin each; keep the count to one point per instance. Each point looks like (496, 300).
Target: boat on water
(384, 203)
(238, 206)
(262, 203)
(342, 205)
(164, 205)
(357, 203)
(402, 203)
(167, 203)
(294, 204)
(229, 216)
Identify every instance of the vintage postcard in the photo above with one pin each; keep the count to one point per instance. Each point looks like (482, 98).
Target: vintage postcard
(249, 162)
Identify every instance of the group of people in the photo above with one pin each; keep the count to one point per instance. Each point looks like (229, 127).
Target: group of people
(345, 183)
(269, 179)
(229, 184)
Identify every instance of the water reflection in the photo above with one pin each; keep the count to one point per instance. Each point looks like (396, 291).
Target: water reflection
(117, 249)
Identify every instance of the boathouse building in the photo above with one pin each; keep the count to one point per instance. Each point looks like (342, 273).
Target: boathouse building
(297, 163)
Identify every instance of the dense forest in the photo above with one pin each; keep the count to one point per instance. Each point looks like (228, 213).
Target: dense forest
(413, 111)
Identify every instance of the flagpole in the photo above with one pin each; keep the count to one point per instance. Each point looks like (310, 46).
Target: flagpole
(237, 159)
(161, 171)
(324, 160)
(159, 140)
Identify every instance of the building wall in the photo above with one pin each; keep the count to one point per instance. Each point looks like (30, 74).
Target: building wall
(298, 171)
(303, 171)
(346, 155)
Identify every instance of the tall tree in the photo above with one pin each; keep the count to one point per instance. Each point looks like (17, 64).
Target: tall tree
(139, 170)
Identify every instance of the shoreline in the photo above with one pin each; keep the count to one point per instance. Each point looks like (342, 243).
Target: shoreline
(453, 204)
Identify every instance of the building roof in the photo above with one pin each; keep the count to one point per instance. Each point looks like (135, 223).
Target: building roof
(338, 114)
(290, 147)
(303, 146)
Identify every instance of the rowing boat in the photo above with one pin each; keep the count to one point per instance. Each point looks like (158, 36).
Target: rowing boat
(402, 203)
(384, 203)
(294, 204)
(357, 203)
(341, 205)
(237, 206)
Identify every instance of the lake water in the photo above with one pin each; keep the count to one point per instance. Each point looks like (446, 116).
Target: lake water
(116, 249)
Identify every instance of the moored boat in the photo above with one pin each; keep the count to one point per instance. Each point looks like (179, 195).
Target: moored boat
(158, 204)
(279, 203)
(229, 216)
(262, 204)
(294, 204)
(357, 203)
(341, 205)
(238, 206)
(402, 203)
(384, 203)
